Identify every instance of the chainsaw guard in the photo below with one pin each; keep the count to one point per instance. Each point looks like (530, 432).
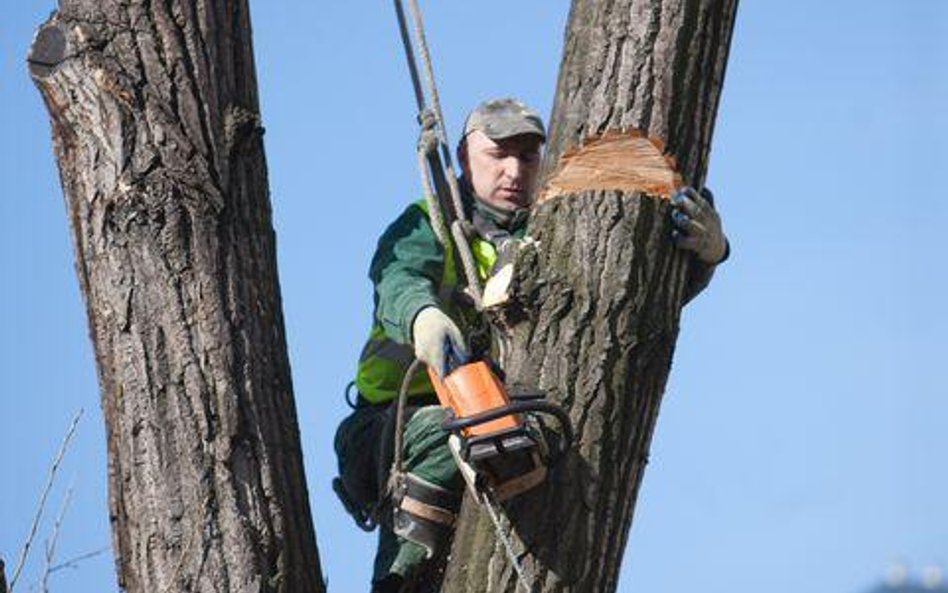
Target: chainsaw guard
(502, 476)
(498, 444)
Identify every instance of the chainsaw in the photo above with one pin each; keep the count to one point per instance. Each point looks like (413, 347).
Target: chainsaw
(498, 440)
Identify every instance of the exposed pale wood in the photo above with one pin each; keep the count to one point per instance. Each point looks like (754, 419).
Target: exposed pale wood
(619, 161)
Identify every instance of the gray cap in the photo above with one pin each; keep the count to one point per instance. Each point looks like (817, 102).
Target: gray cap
(503, 118)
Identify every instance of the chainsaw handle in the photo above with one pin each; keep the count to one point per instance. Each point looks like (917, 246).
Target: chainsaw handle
(453, 357)
(526, 396)
(453, 424)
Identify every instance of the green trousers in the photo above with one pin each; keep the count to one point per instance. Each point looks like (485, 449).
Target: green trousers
(364, 444)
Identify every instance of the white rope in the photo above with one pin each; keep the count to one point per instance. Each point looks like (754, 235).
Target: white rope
(508, 546)
(457, 230)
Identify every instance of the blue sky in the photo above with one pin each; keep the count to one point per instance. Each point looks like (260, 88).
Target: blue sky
(802, 440)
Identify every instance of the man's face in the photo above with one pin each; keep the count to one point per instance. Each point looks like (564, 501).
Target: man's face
(503, 173)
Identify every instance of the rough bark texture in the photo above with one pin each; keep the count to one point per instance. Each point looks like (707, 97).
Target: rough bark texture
(598, 299)
(157, 133)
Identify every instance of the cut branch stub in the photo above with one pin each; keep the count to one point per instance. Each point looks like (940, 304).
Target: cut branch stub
(48, 49)
(625, 161)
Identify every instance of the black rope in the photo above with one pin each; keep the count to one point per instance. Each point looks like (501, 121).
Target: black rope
(349, 400)
(410, 54)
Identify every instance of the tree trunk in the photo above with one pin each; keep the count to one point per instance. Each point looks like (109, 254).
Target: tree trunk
(598, 296)
(157, 134)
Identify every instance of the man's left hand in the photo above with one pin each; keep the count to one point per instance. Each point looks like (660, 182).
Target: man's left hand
(698, 226)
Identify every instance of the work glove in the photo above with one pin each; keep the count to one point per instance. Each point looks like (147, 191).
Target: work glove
(698, 226)
(438, 341)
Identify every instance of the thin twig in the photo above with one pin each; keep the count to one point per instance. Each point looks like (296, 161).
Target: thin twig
(73, 562)
(53, 539)
(42, 503)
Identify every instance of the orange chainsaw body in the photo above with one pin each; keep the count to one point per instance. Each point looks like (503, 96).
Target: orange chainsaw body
(471, 389)
(498, 455)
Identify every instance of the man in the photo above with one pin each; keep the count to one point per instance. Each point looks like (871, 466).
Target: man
(419, 313)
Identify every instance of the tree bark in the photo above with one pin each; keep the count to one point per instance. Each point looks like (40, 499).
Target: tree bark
(157, 133)
(598, 296)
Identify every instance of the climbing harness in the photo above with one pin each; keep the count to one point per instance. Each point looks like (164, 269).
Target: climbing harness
(497, 440)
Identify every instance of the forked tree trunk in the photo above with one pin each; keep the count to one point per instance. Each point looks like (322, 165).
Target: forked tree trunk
(603, 287)
(157, 133)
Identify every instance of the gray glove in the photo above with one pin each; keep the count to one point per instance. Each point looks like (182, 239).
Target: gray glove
(436, 338)
(698, 226)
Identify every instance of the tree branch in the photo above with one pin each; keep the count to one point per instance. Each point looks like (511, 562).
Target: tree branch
(21, 560)
(53, 539)
(74, 562)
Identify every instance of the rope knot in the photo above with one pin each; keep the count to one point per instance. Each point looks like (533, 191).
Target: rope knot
(428, 136)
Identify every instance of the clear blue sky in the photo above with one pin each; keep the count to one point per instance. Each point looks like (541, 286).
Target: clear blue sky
(802, 442)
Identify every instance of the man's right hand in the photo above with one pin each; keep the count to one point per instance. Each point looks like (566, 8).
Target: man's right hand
(433, 333)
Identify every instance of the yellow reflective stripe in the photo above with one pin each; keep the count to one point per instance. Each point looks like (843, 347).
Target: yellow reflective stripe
(485, 255)
(383, 365)
(379, 380)
(380, 346)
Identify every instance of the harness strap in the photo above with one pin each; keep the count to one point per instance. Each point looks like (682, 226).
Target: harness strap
(424, 512)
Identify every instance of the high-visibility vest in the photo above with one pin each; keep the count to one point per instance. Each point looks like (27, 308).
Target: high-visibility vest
(383, 362)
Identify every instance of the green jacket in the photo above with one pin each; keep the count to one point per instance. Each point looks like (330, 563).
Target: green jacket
(408, 270)
(411, 271)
